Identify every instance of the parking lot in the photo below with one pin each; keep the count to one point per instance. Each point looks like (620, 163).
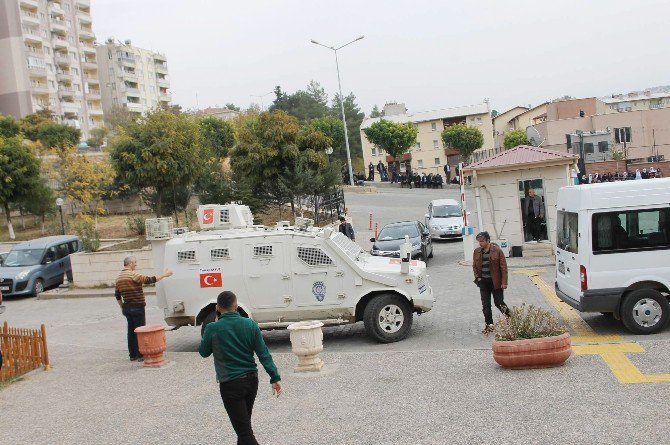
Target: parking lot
(440, 385)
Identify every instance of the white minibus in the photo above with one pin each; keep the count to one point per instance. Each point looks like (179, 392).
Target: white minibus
(613, 251)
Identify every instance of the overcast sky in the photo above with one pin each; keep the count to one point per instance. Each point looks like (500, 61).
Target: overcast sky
(428, 54)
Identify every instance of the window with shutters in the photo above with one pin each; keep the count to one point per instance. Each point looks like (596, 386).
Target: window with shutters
(622, 135)
(224, 216)
(262, 251)
(186, 256)
(220, 254)
(568, 138)
(603, 146)
(313, 256)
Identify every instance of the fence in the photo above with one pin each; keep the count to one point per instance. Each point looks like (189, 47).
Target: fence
(22, 350)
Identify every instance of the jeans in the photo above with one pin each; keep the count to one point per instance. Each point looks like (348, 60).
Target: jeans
(135, 317)
(485, 291)
(238, 398)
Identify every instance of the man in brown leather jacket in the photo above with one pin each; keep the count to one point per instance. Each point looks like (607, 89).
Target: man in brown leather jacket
(490, 268)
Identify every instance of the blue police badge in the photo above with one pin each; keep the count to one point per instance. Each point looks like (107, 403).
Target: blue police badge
(319, 290)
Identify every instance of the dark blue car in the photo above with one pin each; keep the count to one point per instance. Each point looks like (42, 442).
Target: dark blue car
(33, 266)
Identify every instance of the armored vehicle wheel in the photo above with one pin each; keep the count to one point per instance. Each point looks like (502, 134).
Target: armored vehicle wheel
(211, 317)
(388, 318)
(645, 311)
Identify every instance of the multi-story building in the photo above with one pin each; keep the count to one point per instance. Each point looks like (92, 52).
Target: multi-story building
(132, 77)
(429, 155)
(222, 113)
(47, 60)
(649, 99)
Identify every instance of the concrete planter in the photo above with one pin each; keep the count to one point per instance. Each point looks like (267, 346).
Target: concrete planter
(307, 343)
(152, 344)
(532, 353)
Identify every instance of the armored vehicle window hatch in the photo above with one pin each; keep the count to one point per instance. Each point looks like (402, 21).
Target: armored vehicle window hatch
(224, 216)
(186, 256)
(219, 254)
(313, 256)
(262, 250)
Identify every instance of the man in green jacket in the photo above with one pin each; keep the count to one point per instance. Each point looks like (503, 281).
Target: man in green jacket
(233, 339)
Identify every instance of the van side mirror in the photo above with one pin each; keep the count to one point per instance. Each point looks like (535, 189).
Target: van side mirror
(427, 216)
(372, 240)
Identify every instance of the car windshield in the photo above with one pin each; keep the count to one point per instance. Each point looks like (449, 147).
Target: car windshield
(20, 258)
(447, 211)
(389, 233)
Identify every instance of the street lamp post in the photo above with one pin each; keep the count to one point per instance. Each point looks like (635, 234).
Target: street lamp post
(339, 84)
(59, 203)
(261, 96)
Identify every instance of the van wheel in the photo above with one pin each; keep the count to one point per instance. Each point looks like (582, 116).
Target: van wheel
(211, 317)
(38, 287)
(388, 318)
(645, 311)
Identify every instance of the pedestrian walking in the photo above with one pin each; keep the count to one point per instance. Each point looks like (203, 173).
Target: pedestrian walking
(447, 172)
(233, 340)
(534, 215)
(346, 229)
(490, 269)
(130, 296)
(371, 172)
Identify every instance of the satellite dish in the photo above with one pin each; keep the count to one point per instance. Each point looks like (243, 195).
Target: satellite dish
(534, 137)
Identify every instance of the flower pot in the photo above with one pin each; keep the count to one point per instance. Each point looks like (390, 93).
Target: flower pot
(307, 343)
(152, 345)
(532, 353)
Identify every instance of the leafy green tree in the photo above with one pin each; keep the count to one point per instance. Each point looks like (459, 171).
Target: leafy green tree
(304, 104)
(31, 124)
(9, 127)
(376, 113)
(394, 138)
(354, 117)
(118, 117)
(19, 172)
(41, 202)
(232, 107)
(53, 135)
(217, 136)
(514, 138)
(333, 128)
(98, 136)
(161, 150)
(494, 113)
(463, 138)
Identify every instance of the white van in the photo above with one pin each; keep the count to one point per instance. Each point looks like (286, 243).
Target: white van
(445, 219)
(613, 251)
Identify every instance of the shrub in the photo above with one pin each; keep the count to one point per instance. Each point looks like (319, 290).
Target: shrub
(85, 228)
(525, 322)
(135, 224)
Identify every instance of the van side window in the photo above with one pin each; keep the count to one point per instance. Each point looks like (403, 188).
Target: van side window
(631, 230)
(567, 231)
(62, 251)
(50, 256)
(73, 246)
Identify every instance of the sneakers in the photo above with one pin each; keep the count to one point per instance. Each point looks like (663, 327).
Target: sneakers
(136, 359)
(489, 328)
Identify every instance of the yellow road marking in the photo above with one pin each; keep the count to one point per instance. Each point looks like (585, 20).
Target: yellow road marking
(623, 369)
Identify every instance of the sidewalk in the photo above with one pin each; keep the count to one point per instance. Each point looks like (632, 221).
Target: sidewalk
(403, 398)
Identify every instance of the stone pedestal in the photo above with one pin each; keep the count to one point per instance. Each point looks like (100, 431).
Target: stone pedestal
(152, 344)
(307, 343)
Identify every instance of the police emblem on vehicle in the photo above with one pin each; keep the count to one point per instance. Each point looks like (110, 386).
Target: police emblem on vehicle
(319, 290)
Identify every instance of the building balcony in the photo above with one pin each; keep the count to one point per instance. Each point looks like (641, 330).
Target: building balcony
(70, 107)
(64, 76)
(32, 36)
(83, 4)
(165, 97)
(84, 16)
(30, 18)
(65, 92)
(129, 76)
(60, 43)
(87, 48)
(97, 111)
(37, 71)
(656, 106)
(92, 64)
(92, 80)
(86, 33)
(93, 95)
(127, 61)
(33, 51)
(58, 26)
(135, 107)
(39, 88)
(161, 68)
(56, 10)
(130, 91)
(62, 59)
(33, 4)
(163, 83)
(159, 58)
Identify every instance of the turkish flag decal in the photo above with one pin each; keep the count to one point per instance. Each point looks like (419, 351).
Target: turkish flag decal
(208, 216)
(211, 277)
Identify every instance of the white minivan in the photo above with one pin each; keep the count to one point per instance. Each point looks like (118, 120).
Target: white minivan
(445, 219)
(613, 251)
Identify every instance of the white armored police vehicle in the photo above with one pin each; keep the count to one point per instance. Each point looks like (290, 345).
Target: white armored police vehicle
(283, 274)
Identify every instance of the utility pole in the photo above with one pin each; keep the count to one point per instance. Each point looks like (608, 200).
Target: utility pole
(582, 161)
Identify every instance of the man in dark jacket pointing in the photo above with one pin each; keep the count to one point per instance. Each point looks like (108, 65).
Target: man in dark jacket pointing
(233, 339)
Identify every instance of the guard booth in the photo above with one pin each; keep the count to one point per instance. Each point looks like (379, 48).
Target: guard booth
(503, 185)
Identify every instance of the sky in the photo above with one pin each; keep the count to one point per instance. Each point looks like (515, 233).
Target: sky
(427, 54)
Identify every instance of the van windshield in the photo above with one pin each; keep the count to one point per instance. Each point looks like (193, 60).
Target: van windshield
(447, 211)
(567, 231)
(21, 258)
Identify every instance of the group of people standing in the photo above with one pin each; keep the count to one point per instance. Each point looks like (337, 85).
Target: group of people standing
(617, 176)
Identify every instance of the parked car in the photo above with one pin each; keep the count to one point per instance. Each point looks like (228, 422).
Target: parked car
(393, 235)
(36, 265)
(445, 219)
(612, 244)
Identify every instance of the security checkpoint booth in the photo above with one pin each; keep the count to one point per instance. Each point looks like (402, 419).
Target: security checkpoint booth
(503, 186)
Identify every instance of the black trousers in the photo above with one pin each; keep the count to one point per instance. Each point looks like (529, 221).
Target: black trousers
(136, 318)
(238, 398)
(485, 291)
(534, 227)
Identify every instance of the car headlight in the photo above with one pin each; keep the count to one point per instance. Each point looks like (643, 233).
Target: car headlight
(416, 246)
(375, 251)
(22, 275)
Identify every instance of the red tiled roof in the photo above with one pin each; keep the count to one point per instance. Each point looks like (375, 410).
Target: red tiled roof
(521, 154)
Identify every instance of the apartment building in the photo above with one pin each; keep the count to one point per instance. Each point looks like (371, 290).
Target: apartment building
(47, 60)
(649, 99)
(429, 155)
(222, 113)
(132, 77)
